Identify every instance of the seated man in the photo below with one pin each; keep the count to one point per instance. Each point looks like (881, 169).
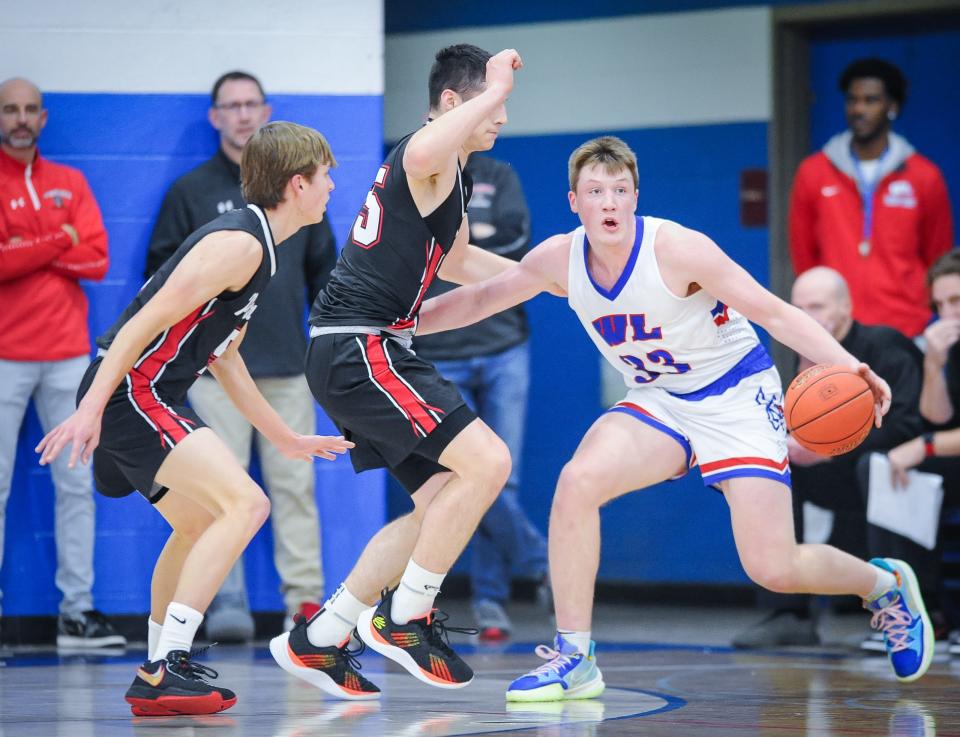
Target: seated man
(831, 483)
(935, 450)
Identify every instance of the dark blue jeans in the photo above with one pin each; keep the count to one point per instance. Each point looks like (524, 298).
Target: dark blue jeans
(506, 542)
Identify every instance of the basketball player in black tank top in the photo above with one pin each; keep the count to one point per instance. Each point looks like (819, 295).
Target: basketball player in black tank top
(132, 419)
(395, 407)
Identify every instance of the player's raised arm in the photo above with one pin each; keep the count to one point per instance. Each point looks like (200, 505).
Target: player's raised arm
(689, 258)
(543, 269)
(432, 149)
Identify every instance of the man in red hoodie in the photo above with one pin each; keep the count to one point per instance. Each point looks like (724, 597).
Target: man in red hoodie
(51, 236)
(869, 206)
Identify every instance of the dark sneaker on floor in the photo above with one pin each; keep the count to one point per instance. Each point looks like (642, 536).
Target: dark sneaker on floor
(902, 618)
(176, 686)
(492, 620)
(780, 629)
(89, 629)
(332, 669)
(420, 646)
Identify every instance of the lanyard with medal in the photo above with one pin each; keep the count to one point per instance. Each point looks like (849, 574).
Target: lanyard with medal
(867, 190)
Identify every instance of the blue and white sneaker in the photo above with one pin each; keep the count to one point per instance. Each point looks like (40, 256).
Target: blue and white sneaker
(900, 615)
(569, 674)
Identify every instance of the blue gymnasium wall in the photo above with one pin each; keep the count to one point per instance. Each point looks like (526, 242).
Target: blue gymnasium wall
(696, 116)
(131, 145)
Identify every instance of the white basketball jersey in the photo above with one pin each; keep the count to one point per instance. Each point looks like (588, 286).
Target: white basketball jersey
(649, 334)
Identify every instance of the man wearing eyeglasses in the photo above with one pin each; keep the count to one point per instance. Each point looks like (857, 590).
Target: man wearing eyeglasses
(273, 351)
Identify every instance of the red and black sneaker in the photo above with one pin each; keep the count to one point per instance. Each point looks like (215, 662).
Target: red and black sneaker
(333, 669)
(420, 646)
(174, 686)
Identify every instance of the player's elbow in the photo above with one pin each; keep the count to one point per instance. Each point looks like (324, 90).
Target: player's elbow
(419, 162)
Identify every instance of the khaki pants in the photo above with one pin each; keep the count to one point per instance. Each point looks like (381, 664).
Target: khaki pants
(289, 483)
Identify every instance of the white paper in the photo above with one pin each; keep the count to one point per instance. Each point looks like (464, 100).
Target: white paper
(914, 511)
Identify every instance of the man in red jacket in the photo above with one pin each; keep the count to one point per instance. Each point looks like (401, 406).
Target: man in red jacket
(51, 236)
(871, 207)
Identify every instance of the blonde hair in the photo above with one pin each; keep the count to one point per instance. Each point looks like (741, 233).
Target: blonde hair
(609, 151)
(274, 154)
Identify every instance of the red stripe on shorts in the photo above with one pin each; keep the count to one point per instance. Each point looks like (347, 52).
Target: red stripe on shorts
(414, 408)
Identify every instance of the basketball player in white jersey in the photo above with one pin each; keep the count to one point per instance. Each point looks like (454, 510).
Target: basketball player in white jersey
(670, 311)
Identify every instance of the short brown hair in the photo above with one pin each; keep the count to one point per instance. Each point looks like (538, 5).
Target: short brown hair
(609, 151)
(948, 263)
(274, 154)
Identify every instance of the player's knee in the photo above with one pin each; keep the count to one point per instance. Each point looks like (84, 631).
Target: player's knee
(249, 504)
(492, 467)
(770, 572)
(576, 489)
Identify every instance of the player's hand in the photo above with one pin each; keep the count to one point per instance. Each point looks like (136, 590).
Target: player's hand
(500, 69)
(305, 447)
(800, 456)
(904, 457)
(940, 337)
(881, 392)
(81, 431)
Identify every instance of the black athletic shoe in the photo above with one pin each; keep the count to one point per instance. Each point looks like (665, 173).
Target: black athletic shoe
(420, 646)
(176, 686)
(332, 669)
(90, 629)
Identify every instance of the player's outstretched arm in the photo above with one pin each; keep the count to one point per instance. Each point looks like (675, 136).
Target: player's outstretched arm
(687, 257)
(222, 260)
(232, 374)
(469, 264)
(543, 269)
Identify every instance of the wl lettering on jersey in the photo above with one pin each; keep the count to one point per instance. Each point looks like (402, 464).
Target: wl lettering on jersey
(613, 330)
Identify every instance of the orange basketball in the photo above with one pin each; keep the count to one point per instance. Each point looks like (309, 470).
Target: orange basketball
(829, 409)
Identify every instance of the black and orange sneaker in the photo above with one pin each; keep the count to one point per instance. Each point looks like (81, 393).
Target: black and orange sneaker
(175, 686)
(420, 646)
(333, 669)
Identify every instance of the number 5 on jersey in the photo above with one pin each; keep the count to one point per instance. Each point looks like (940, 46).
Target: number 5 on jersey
(367, 226)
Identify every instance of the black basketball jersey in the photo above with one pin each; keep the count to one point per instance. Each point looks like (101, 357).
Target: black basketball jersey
(178, 355)
(392, 253)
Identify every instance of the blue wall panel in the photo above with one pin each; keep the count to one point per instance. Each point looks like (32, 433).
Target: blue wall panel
(131, 147)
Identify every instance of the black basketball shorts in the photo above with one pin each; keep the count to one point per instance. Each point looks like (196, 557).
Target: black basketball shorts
(139, 429)
(397, 409)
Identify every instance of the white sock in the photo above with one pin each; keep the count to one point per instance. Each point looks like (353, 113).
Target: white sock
(153, 637)
(579, 639)
(339, 616)
(179, 628)
(885, 581)
(415, 595)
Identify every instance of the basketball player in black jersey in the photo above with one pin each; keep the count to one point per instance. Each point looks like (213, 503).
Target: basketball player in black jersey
(394, 406)
(132, 420)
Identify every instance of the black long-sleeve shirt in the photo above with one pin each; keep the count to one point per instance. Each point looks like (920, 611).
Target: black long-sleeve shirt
(497, 204)
(897, 360)
(275, 343)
